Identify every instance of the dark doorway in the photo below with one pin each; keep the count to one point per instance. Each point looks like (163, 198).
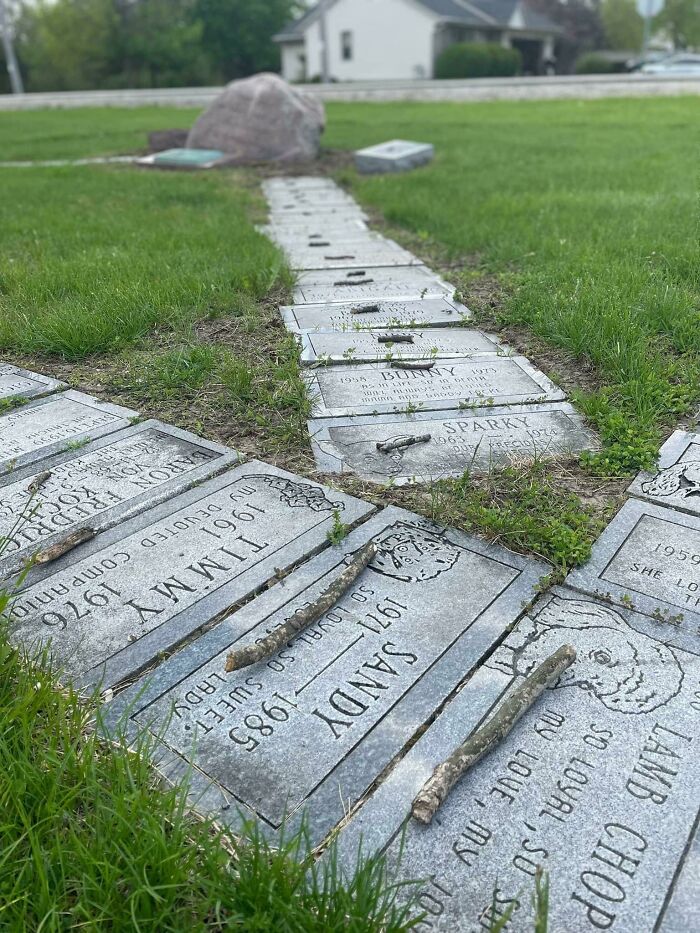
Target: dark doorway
(531, 51)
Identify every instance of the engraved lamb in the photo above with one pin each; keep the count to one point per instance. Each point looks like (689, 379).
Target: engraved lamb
(681, 479)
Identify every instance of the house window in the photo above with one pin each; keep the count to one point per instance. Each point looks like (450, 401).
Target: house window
(346, 45)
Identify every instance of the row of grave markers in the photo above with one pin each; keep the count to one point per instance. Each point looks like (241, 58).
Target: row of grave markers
(196, 552)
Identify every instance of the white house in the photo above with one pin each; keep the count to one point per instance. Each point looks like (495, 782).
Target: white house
(399, 39)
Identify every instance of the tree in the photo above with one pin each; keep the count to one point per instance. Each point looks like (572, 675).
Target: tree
(681, 19)
(237, 34)
(624, 27)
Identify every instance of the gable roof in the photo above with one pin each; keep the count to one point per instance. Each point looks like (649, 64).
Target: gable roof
(487, 14)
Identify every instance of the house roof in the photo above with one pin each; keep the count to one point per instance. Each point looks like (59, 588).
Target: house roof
(483, 13)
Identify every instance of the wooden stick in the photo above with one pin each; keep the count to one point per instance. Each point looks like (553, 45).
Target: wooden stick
(412, 364)
(272, 643)
(342, 283)
(395, 338)
(436, 789)
(365, 309)
(386, 446)
(38, 482)
(67, 544)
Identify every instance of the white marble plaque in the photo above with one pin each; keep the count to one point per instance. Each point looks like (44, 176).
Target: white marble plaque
(360, 315)
(377, 346)
(20, 383)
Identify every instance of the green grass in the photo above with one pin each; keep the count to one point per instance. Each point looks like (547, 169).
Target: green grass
(589, 212)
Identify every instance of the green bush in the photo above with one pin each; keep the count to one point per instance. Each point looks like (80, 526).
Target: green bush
(593, 64)
(477, 60)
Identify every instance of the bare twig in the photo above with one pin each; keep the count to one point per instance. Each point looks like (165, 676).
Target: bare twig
(386, 446)
(435, 791)
(342, 282)
(412, 364)
(272, 643)
(395, 338)
(365, 309)
(66, 544)
(38, 482)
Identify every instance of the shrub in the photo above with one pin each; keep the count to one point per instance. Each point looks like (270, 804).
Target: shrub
(477, 60)
(593, 64)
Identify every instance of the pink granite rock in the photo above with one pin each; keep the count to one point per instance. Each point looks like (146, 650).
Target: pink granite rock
(261, 119)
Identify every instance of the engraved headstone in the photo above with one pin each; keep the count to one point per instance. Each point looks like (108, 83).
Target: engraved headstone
(475, 440)
(378, 387)
(52, 425)
(648, 558)
(351, 257)
(676, 481)
(20, 383)
(355, 316)
(375, 346)
(370, 283)
(96, 487)
(597, 785)
(398, 155)
(316, 723)
(138, 589)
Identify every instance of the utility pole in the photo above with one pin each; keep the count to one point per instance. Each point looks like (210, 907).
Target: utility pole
(10, 57)
(325, 76)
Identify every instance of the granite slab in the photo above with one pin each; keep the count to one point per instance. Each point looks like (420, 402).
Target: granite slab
(287, 230)
(109, 608)
(597, 785)
(367, 388)
(369, 346)
(330, 278)
(299, 213)
(185, 159)
(314, 725)
(397, 155)
(648, 558)
(326, 318)
(369, 284)
(676, 481)
(52, 425)
(475, 441)
(98, 486)
(354, 257)
(21, 383)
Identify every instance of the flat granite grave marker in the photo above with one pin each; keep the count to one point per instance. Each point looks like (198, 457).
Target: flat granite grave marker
(351, 257)
(597, 785)
(648, 558)
(21, 383)
(367, 388)
(318, 721)
(185, 159)
(369, 283)
(51, 425)
(431, 312)
(109, 609)
(475, 440)
(113, 478)
(676, 482)
(375, 346)
(397, 155)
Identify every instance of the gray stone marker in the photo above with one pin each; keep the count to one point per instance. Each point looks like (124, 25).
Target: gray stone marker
(97, 487)
(21, 383)
(368, 284)
(377, 387)
(648, 558)
(398, 155)
(375, 346)
(351, 257)
(460, 441)
(322, 212)
(676, 482)
(431, 312)
(52, 425)
(341, 279)
(111, 607)
(318, 722)
(284, 232)
(597, 784)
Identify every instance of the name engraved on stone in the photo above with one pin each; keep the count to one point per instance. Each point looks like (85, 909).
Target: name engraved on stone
(377, 387)
(375, 346)
(319, 721)
(111, 479)
(141, 587)
(21, 383)
(676, 482)
(350, 257)
(332, 286)
(649, 559)
(398, 155)
(46, 427)
(470, 440)
(433, 312)
(597, 785)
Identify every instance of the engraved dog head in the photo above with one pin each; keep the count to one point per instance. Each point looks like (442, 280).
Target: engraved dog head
(681, 479)
(411, 553)
(628, 672)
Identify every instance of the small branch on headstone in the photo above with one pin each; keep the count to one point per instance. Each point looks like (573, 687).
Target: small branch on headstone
(38, 482)
(412, 364)
(65, 545)
(277, 639)
(395, 338)
(365, 309)
(347, 256)
(386, 446)
(348, 284)
(436, 789)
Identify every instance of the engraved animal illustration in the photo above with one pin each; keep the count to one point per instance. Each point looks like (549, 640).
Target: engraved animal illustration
(413, 554)
(681, 479)
(297, 495)
(626, 671)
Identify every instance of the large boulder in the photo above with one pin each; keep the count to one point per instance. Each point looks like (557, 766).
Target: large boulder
(261, 119)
